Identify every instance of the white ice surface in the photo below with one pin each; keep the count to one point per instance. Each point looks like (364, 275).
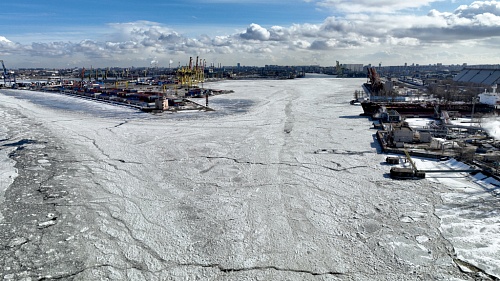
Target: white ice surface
(470, 215)
(8, 172)
(245, 190)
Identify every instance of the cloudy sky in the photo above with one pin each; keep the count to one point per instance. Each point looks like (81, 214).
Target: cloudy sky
(59, 34)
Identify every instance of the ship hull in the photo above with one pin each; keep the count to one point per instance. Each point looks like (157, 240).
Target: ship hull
(427, 109)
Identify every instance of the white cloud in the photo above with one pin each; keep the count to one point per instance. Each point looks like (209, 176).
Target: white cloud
(279, 33)
(222, 41)
(4, 40)
(356, 36)
(478, 8)
(402, 41)
(8, 47)
(256, 32)
(374, 6)
(301, 44)
(323, 44)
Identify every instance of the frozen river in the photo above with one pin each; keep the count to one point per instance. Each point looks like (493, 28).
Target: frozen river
(282, 182)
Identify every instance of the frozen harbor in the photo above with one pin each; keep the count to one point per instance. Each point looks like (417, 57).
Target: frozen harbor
(282, 182)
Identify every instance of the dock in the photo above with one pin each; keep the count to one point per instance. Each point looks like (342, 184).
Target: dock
(147, 101)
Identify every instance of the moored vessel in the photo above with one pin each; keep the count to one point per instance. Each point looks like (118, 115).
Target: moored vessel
(381, 97)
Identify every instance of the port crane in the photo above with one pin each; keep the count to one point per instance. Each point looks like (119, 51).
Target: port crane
(4, 72)
(406, 173)
(82, 74)
(6, 75)
(375, 82)
(191, 75)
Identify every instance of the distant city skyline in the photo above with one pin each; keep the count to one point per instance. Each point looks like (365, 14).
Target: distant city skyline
(66, 34)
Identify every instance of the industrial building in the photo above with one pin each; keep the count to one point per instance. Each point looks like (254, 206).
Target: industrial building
(483, 76)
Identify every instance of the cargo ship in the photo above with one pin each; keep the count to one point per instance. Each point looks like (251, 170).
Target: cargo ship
(428, 109)
(376, 102)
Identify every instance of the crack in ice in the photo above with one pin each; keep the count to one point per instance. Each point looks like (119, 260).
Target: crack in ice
(300, 165)
(269, 267)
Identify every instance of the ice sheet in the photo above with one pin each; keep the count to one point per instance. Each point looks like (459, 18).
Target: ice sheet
(283, 181)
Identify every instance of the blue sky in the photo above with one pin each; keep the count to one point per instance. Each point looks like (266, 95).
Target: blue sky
(168, 12)
(125, 33)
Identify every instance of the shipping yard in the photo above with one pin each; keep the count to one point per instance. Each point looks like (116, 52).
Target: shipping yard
(420, 125)
(156, 94)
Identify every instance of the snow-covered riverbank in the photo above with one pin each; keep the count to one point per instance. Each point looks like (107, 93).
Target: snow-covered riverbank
(241, 193)
(470, 216)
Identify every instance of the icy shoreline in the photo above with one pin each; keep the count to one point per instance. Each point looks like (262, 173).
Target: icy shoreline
(242, 194)
(469, 214)
(8, 172)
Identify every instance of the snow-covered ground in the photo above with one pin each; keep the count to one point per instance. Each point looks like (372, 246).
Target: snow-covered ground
(282, 182)
(470, 214)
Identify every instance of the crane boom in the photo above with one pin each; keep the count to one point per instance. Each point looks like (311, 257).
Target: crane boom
(5, 74)
(4, 69)
(408, 157)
